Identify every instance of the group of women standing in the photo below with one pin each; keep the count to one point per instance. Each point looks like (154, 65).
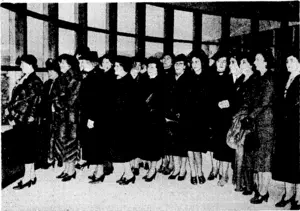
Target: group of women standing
(166, 112)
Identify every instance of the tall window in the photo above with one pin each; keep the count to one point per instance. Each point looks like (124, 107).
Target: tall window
(211, 28)
(36, 39)
(97, 15)
(66, 12)
(5, 36)
(126, 17)
(154, 21)
(126, 46)
(153, 48)
(96, 42)
(66, 41)
(183, 25)
(239, 26)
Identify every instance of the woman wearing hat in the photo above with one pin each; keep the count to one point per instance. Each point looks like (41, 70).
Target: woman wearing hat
(23, 116)
(286, 163)
(65, 109)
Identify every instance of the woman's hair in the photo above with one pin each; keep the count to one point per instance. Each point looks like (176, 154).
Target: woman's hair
(156, 61)
(106, 56)
(52, 64)
(268, 56)
(29, 59)
(124, 61)
(293, 51)
(181, 57)
(72, 61)
(81, 49)
(200, 54)
(245, 55)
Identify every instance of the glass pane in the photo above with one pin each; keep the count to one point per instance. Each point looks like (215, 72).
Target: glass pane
(66, 12)
(5, 55)
(36, 7)
(154, 21)
(183, 25)
(126, 17)
(153, 48)
(184, 48)
(126, 46)
(97, 15)
(294, 23)
(96, 42)
(268, 25)
(239, 26)
(66, 42)
(35, 39)
(211, 28)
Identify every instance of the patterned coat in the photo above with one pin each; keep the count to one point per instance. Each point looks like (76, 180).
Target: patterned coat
(23, 108)
(66, 116)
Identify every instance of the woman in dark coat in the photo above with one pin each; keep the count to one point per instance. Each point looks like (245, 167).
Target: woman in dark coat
(221, 103)
(286, 163)
(263, 118)
(195, 118)
(23, 115)
(154, 118)
(66, 115)
(124, 118)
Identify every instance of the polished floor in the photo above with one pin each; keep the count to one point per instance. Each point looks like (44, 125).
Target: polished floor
(50, 193)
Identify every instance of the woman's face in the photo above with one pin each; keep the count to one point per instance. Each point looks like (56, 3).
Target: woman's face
(119, 70)
(292, 64)
(245, 66)
(137, 66)
(260, 63)
(167, 61)
(152, 70)
(64, 66)
(26, 68)
(179, 67)
(106, 64)
(234, 67)
(52, 74)
(196, 65)
(221, 64)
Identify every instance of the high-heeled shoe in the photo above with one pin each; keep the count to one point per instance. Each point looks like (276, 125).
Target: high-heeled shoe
(283, 203)
(212, 175)
(126, 181)
(295, 205)
(51, 163)
(181, 178)
(259, 199)
(144, 177)
(62, 175)
(97, 180)
(121, 179)
(223, 180)
(92, 177)
(167, 171)
(201, 179)
(194, 181)
(173, 176)
(33, 181)
(69, 177)
(21, 185)
(149, 179)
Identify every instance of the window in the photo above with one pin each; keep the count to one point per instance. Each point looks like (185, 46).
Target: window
(184, 48)
(153, 48)
(126, 46)
(154, 21)
(294, 23)
(66, 12)
(126, 17)
(35, 39)
(239, 26)
(211, 28)
(66, 41)
(97, 15)
(268, 25)
(96, 42)
(183, 25)
(36, 7)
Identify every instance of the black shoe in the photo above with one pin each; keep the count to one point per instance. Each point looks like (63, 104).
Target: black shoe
(62, 175)
(144, 177)
(108, 168)
(194, 181)
(21, 185)
(92, 177)
(295, 205)
(150, 178)
(283, 203)
(33, 181)
(239, 189)
(201, 179)
(97, 180)
(173, 176)
(121, 179)
(82, 166)
(126, 181)
(69, 177)
(247, 192)
(135, 171)
(181, 178)
(146, 166)
(167, 171)
(212, 175)
(259, 199)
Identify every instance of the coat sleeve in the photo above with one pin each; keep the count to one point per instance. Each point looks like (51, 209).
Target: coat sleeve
(74, 88)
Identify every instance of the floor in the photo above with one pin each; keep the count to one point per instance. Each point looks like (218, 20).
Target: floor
(50, 193)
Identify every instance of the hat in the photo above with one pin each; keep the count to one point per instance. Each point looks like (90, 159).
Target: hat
(125, 62)
(180, 57)
(82, 49)
(220, 54)
(52, 64)
(29, 59)
(90, 56)
(294, 51)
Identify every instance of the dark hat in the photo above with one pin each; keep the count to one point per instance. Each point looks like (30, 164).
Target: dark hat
(52, 64)
(246, 55)
(90, 56)
(82, 49)
(29, 59)
(180, 57)
(124, 61)
(294, 51)
(220, 54)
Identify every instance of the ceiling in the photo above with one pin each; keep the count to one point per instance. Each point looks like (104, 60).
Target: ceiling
(266, 10)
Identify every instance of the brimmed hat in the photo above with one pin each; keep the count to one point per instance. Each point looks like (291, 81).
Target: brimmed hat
(220, 54)
(29, 59)
(124, 61)
(180, 57)
(90, 56)
(52, 64)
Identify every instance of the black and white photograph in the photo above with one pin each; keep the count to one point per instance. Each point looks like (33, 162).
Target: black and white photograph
(150, 106)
